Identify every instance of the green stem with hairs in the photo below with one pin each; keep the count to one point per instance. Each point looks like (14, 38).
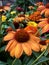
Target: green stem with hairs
(0, 22)
(40, 56)
(14, 61)
(37, 31)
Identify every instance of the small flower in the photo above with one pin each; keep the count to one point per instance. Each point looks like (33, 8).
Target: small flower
(35, 16)
(45, 12)
(6, 8)
(45, 28)
(39, 3)
(13, 12)
(44, 44)
(21, 41)
(19, 9)
(18, 19)
(31, 23)
(47, 5)
(4, 18)
(40, 8)
(43, 23)
(30, 7)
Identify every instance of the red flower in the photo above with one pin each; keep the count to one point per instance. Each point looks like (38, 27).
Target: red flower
(19, 9)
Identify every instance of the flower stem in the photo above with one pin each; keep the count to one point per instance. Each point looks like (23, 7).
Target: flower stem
(37, 31)
(14, 61)
(0, 22)
(40, 56)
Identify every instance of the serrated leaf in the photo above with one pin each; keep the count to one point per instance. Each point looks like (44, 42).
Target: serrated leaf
(42, 59)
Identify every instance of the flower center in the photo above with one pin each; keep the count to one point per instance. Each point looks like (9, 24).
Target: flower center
(22, 36)
(43, 42)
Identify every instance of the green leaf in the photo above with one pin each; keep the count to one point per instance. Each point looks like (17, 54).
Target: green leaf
(2, 49)
(11, 25)
(42, 59)
(9, 61)
(2, 63)
(36, 54)
(46, 53)
(17, 62)
(30, 61)
(26, 59)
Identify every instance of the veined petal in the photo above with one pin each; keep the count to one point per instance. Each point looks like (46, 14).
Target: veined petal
(43, 47)
(13, 45)
(41, 24)
(43, 11)
(45, 29)
(36, 39)
(12, 53)
(18, 51)
(9, 36)
(8, 45)
(27, 48)
(35, 46)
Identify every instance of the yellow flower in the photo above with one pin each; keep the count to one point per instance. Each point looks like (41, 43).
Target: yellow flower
(13, 12)
(4, 18)
(31, 23)
(26, 15)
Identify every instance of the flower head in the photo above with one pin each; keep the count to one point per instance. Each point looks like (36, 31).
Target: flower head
(31, 23)
(4, 18)
(21, 41)
(13, 12)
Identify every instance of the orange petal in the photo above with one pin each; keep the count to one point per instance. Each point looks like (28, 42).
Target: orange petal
(43, 11)
(8, 45)
(45, 29)
(47, 13)
(31, 29)
(42, 24)
(18, 51)
(27, 48)
(12, 53)
(43, 47)
(36, 39)
(35, 46)
(9, 36)
(47, 41)
(13, 45)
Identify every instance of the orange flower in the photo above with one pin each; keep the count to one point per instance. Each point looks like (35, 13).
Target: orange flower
(39, 3)
(18, 19)
(45, 29)
(35, 16)
(30, 7)
(7, 8)
(43, 22)
(31, 29)
(47, 5)
(21, 41)
(44, 25)
(44, 44)
(45, 12)
(40, 8)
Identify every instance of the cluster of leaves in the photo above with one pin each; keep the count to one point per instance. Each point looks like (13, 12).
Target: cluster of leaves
(5, 58)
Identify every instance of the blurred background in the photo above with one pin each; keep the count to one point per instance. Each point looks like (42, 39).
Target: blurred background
(3, 2)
